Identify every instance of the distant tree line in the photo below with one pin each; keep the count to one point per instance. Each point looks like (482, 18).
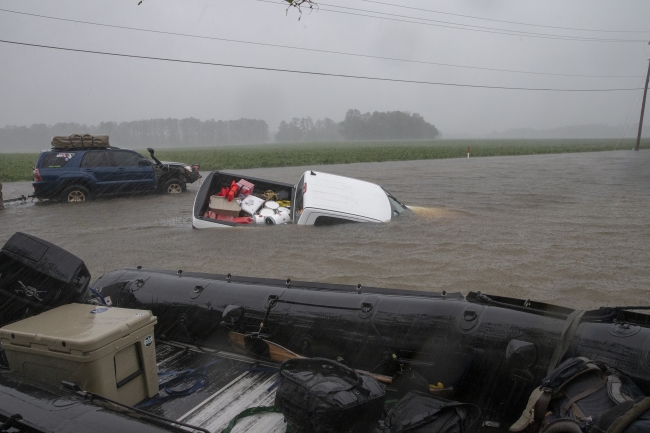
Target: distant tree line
(141, 133)
(389, 125)
(305, 129)
(190, 132)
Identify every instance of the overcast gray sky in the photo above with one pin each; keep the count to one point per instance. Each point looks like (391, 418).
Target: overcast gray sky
(46, 86)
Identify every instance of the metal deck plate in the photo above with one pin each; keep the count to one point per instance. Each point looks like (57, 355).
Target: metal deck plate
(251, 389)
(232, 388)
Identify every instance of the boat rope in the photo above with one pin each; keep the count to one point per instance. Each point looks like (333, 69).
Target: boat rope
(252, 411)
(335, 307)
(381, 337)
(92, 396)
(491, 301)
(273, 299)
(199, 375)
(608, 316)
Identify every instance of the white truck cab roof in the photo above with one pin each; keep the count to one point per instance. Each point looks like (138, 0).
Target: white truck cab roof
(323, 197)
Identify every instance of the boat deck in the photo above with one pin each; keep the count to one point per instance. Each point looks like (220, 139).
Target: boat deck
(234, 383)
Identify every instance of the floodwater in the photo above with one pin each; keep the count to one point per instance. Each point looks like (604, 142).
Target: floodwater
(571, 229)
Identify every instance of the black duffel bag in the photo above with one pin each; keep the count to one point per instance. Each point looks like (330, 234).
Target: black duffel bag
(419, 412)
(323, 396)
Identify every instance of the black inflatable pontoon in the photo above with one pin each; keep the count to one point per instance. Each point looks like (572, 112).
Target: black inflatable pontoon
(486, 350)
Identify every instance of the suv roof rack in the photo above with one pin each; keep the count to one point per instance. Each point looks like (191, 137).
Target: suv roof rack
(61, 149)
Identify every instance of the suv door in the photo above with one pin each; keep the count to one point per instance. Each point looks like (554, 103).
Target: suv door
(99, 166)
(135, 171)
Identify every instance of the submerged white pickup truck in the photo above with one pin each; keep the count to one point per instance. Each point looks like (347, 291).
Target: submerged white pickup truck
(317, 199)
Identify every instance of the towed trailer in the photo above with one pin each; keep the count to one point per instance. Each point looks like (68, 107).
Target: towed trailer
(229, 333)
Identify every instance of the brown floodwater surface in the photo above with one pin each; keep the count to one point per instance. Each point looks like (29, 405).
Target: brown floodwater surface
(570, 229)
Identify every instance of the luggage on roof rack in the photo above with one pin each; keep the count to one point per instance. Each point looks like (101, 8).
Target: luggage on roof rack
(77, 141)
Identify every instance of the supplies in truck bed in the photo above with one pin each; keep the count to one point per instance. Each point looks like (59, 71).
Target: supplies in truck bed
(237, 204)
(252, 204)
(77, 141)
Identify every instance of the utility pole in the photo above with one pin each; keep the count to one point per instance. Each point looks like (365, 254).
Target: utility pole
(645, 93)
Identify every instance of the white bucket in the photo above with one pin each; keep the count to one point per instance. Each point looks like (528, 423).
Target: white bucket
(272, 205)
(279, 218)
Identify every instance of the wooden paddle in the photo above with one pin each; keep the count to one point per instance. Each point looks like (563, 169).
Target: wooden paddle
(276, 352)
(281, 354)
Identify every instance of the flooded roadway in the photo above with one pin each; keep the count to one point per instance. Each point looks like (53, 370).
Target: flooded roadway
(571, 229)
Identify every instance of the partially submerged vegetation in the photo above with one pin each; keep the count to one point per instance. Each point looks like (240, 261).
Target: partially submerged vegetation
(18, 166)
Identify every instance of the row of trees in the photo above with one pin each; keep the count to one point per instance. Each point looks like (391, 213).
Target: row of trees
(390, 125)
(187, 132)
(305, 129)
(142, 133)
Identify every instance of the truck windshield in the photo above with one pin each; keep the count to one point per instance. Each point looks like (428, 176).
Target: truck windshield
(396, 206)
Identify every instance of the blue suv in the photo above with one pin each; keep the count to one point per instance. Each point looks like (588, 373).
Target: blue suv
(76, 175)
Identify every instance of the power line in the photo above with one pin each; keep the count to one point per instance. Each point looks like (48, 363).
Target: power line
(324, 74)
(466, 27)
(312, 49)
(508, 22)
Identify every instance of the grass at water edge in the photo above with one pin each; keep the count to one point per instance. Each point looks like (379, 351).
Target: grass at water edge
(18, 166)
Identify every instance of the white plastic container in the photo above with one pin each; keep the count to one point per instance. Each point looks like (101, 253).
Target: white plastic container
(251, 204)
(279, 218)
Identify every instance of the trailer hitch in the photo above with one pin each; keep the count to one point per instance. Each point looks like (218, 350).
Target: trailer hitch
(22, 198)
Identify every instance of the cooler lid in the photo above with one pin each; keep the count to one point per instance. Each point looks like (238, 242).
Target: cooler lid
(79, 327)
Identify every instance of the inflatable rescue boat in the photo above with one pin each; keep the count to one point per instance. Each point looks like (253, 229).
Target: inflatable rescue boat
(231, 331)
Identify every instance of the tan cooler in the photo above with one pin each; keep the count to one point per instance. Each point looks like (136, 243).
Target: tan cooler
(107, 351)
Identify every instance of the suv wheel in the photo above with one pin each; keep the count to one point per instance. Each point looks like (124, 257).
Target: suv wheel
(75, 194)
(173, 186)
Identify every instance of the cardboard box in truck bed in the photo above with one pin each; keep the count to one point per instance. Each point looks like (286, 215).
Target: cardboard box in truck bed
(222, 206)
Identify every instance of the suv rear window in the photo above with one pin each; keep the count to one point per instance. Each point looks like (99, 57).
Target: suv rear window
(56, 159)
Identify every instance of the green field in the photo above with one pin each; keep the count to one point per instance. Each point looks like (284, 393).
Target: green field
(18, 166)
